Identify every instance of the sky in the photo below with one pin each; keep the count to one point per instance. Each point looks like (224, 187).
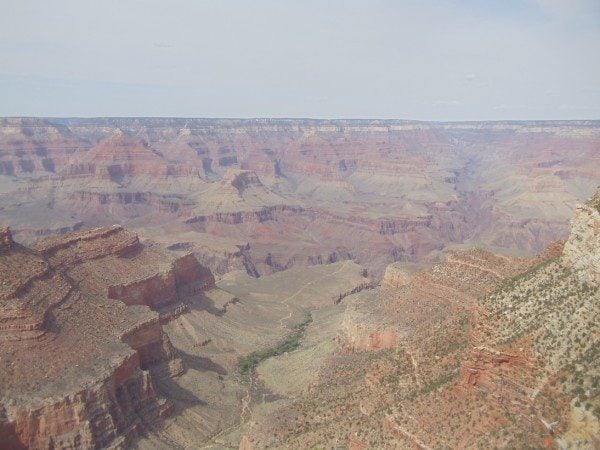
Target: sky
(413, 59)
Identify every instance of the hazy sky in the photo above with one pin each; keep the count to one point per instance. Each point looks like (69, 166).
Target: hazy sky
(421, 59)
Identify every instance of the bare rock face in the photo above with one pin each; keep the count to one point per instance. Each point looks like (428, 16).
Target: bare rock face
(399, 274)
(365, 328)
(77, 365)
(581, 249)
(6, 240)
(185, 276)
(241, 179)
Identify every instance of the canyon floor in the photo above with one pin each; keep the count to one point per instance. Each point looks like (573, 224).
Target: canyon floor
(253, 314)
(111, 342)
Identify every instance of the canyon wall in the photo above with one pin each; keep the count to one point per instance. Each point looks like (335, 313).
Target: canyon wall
(483, 350)
(79, 366)
(581, 249)
(296, 192)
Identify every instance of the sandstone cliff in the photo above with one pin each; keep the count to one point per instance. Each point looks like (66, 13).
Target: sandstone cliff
(582, 248)
(78, 367)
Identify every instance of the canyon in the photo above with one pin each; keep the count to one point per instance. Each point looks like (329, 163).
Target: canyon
(481, 351)
(265, 195)
(106, 339)
(299, 283)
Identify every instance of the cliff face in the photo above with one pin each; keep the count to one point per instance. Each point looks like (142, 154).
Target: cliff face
(400, 274)
(581, 249)
(107, 413)
(77, 366)
(537, 338)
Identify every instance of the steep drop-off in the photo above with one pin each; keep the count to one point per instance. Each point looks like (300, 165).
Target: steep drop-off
(78, 367)
(481, 351)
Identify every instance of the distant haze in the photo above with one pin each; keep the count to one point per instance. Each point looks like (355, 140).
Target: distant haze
(422, 59)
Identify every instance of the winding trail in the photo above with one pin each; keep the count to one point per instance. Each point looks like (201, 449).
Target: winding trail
(246, 405)
(286, 300)
(415, 365)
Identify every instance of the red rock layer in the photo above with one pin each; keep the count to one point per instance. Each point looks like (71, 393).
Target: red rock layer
(75, 365)
(374, 191)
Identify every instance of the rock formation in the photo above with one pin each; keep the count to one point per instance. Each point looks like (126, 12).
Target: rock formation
(581, 249)
(485, 349)
(299, 191)
(105, 333)
(78, 367)
(399, 274)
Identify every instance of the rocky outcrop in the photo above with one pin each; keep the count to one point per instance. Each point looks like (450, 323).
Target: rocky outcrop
(108, 413)
(581, 249)
(155, 291)
(241, 179)
(184, 277)
(77, 367)
(190, 276)
(74, 248)
(29, 289)
(400, 274)
(355, 290)
(364, 327)
(270, 213)
(506, 377)
(150, 342)
(6, 240)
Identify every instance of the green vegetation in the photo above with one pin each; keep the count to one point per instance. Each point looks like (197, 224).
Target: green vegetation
(510, 283)
(292, 342)
(438, 383)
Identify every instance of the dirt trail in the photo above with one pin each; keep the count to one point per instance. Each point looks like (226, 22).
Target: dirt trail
(409, 436)
(246, 405)
(476, 267)
(415, 365)
(286, 300)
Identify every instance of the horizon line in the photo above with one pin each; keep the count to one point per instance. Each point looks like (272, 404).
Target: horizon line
(272, 118)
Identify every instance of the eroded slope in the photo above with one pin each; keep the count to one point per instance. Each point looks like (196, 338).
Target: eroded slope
(482, 351)
(75, 362)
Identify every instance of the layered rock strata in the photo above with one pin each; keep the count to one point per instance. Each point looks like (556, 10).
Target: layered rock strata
(77, 364)
(300, 191)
